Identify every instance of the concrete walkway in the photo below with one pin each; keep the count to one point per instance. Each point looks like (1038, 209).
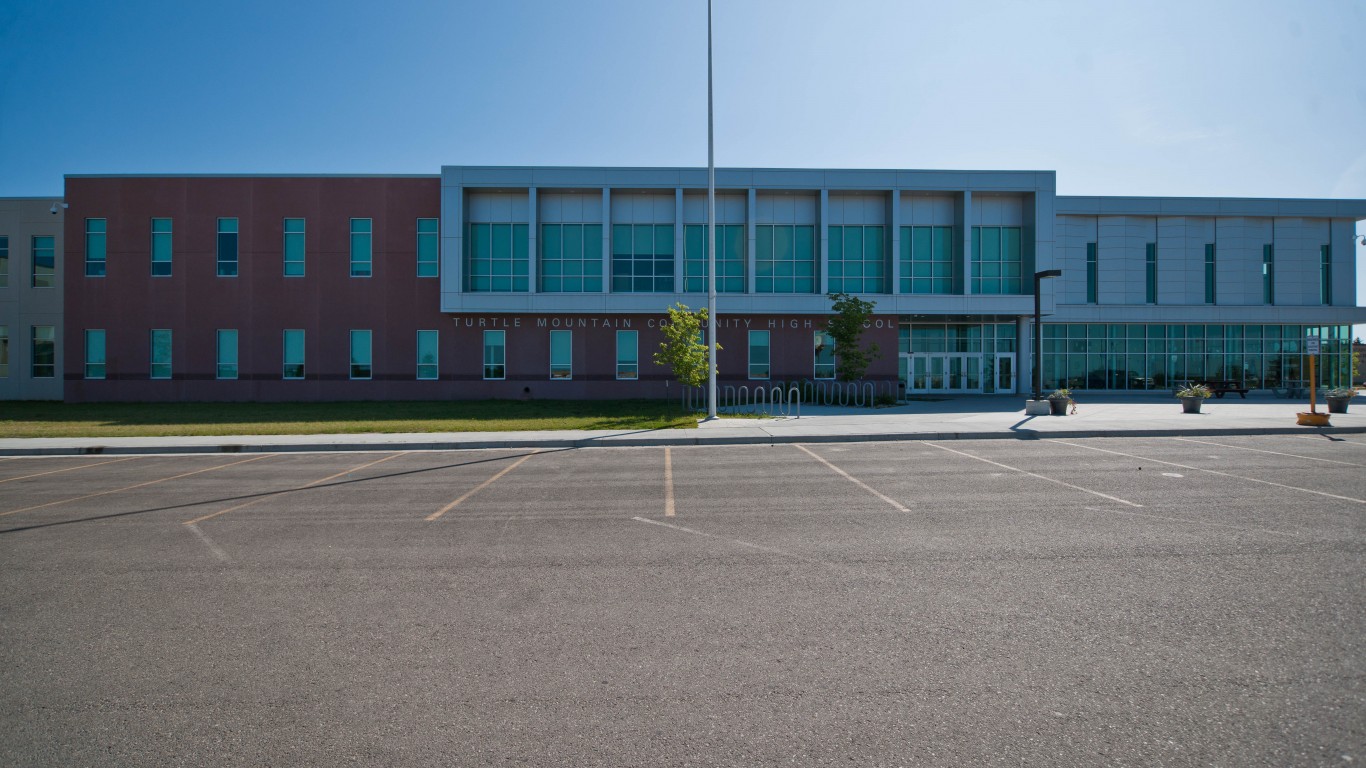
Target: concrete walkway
(949, 418)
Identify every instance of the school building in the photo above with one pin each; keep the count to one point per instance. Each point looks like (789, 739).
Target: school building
(549, 282)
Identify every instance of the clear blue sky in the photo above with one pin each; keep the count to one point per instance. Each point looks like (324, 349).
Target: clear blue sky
(1158, 97)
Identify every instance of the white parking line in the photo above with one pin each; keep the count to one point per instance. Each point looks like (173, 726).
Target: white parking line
(1274, 453)
(1041, 477)
(896, 504)
(1214, 472)
(208, 542)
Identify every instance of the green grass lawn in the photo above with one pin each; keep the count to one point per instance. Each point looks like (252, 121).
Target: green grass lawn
(49, 419)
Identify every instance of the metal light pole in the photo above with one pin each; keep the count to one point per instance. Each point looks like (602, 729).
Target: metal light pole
(711, 241)
(1039, 277)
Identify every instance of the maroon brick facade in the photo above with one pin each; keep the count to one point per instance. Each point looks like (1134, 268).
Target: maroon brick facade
(327, 302)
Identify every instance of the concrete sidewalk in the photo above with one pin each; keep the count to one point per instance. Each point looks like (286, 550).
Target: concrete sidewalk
(947, 418)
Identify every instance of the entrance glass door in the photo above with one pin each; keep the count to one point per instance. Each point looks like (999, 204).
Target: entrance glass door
(944, 373)
(1005, 373)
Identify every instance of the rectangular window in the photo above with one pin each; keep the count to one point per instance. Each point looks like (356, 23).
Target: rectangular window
(997, 261)
(294, 353)
(161, 247)
(360, 355)
(161, 353)
(227, 353)
(361, 247)
(44, 352)
(1326, 275)
(495, 355)
(927, 262)
(571, 258)
(784, 258)
(95, 250)
(4, 262)
(561, 354)
(4, 351)
(1150, 276)
(428, 248)
(227, 247)
(94, 354)
(44, 262)
(857, 263)
(1092, 278)
(427, 368)
(824, 366)
(730, 258)
(1268, 274)
(496, 258)
(1209, 273)
(758, 354)
(295, 234)
(628, 356)
(642, 258)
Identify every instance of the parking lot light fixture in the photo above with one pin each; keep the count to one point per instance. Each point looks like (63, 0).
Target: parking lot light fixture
(1039, 277)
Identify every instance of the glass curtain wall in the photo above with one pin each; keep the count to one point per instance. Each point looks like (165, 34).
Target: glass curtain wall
(1152, 357)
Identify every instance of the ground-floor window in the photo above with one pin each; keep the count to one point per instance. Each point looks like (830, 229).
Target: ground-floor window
(427, 368)
(1135, 356)
(227, 353)
(628, 355)
(161, 353)
(758, 355)
(823, 364)
(495, 354)
(94, 353)
(44, 352)
(561, 354)
(294, 353)
(361, 355)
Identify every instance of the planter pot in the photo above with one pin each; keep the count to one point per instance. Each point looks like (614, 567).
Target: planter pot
(1312, 419)
(1036, 407)
(1338, 404)
(1191, 404)
(1058, 407)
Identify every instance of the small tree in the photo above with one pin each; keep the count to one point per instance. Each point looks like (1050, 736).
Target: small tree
(846, 328)
(683, 349)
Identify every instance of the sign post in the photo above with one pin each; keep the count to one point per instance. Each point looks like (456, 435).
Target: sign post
(1313, 418)
(1311, 348)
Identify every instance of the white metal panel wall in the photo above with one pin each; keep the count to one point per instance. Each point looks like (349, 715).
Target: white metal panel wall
(1238, 258)
(570, 207)
(785, 209)
(990, 210)
(1121, 258)
(1343, 232)
(730, 209)
(855, 210)
(1181, 259)
(927, 210)
(1069, 255)
(491, 207)
(1298, 260)
(642, 208)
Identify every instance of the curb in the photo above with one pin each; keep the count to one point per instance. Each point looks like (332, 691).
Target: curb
(637, 442)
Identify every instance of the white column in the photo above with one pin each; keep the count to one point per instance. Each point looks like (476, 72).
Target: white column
(894, 263)
(751, 205)
(533, 252)
(823, 238)
(606, 240)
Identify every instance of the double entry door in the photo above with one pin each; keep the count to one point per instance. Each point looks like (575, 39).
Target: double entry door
(960, 372)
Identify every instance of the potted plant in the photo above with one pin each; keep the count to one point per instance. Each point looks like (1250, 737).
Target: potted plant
(1338, 397)
(1192, 396)
(1059, 400)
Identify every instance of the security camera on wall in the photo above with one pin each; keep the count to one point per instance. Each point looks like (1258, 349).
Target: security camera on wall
(55, 206)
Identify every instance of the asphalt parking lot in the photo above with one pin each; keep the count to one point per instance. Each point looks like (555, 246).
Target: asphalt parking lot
(1147, 601)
